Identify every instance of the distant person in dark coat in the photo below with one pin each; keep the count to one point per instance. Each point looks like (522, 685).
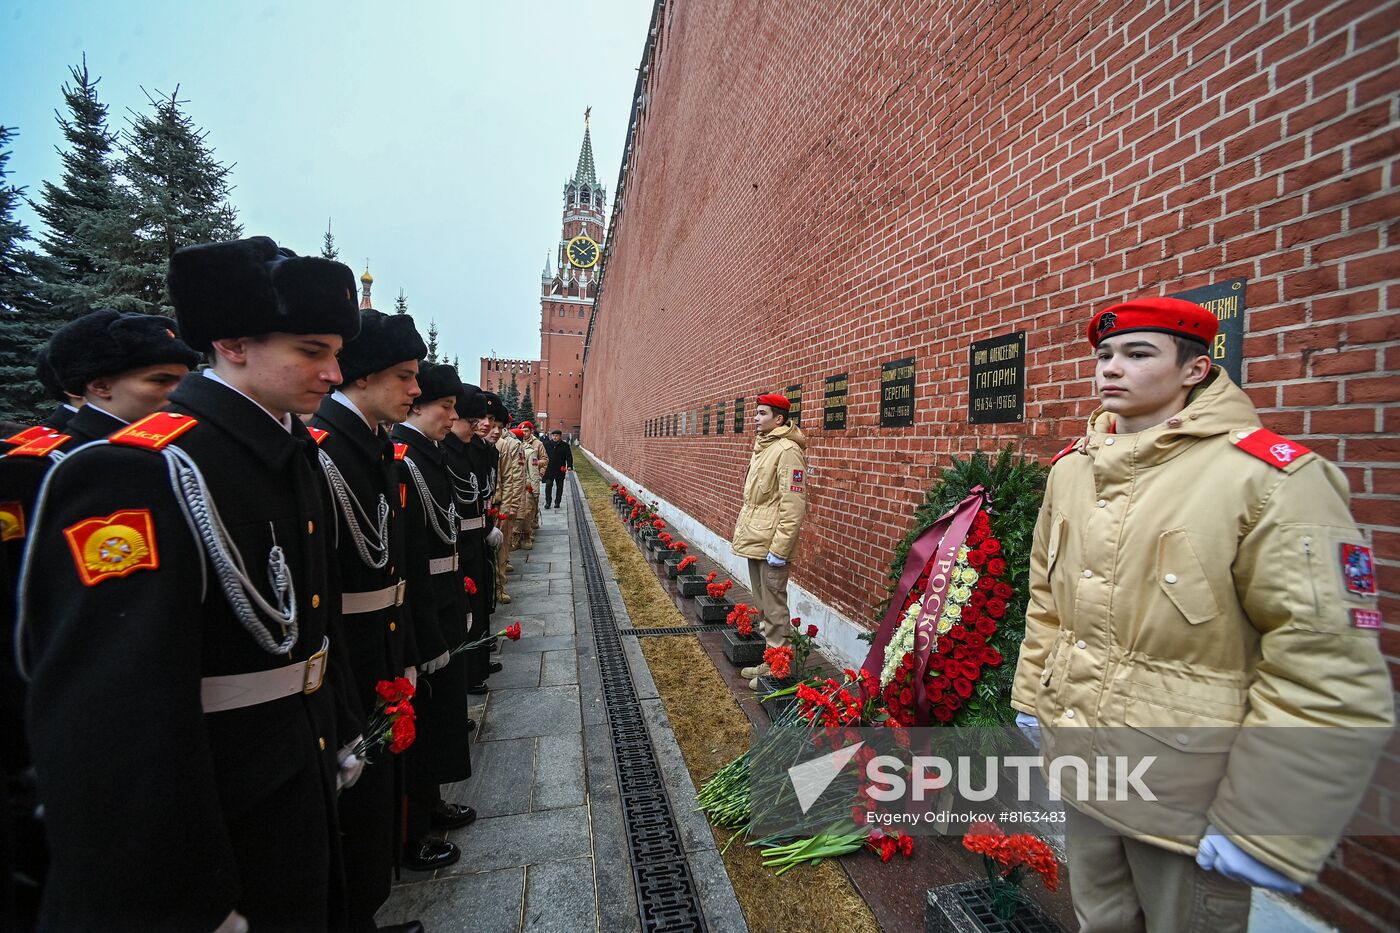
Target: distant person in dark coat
(561, 460)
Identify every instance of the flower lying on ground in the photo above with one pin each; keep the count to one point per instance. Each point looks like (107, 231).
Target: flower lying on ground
(887, 846)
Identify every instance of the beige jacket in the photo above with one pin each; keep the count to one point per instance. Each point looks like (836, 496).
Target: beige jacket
(1180, 583)
(775, 495)
(510, 475)
(535, 460)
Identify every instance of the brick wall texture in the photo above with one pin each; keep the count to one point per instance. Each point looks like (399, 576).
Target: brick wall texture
(815, 189)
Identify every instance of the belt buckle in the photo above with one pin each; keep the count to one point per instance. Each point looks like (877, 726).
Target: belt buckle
(399, 589)
(315, 668)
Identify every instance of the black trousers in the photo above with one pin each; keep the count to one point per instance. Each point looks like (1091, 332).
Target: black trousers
(555, 483)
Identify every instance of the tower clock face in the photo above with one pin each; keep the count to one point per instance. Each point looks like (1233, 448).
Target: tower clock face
(582, 252)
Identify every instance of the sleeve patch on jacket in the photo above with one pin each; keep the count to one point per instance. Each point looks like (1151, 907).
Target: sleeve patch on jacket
(1274, 449)
(11, 521)
(1365, 618)
(116, 546)
(154, 431)
(796, 484)
(1358, 570)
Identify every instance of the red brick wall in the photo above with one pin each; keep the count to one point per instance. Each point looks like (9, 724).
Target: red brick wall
(818, 188)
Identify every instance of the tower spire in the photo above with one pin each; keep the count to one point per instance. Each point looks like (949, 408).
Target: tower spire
(585, 173)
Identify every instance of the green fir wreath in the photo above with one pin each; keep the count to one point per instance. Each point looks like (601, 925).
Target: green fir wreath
(1016, 484)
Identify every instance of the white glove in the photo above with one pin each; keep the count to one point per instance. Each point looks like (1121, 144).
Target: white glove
(412, 674)
(493, 537)
(436, 664)
(350, 765)
(1030, 728)
(1217, 853)
(233, 923)
(775, 561)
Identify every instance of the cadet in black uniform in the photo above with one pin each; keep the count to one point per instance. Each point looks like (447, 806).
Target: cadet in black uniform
(380, 369)
(176, 608)
(125, 365)
(437, 602)
(473, 475)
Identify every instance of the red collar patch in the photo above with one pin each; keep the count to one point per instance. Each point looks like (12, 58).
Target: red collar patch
(154, 431)
(1073, 445)
(317, 434)
(1274, 449)
(29, 434)
(400, 451)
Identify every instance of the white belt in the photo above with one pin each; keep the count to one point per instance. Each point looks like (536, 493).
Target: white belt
(442, 565)
(471, 524)
(356, 603)
(236, 691)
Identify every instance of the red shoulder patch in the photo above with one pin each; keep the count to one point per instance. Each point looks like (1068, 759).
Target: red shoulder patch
(317, 434)
(113, 547)
(40, 446)
(29, 434)
(1274, 449)
(154, 431)
(1074, 445)
(12, 521)
(400, 451)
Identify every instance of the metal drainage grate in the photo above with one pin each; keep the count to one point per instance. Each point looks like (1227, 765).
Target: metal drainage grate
(669, 630)
(666, 895)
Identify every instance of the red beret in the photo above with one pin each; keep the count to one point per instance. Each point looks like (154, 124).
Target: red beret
(1159, 315)
(775, 401)
(526, 424)
(518, 432)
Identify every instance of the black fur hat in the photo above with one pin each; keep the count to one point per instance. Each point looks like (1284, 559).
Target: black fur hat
(107, 342)
(470, 402)
(244, 288)
(47, 377)
(496, 408)
(384, 339)
(436, 380)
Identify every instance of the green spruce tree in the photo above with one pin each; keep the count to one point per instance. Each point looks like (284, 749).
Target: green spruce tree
(457, 364)
(527, 405)
(401, 304)
(510, 398)
(432, 341)
(328, 250)
(86, 213)
(180, 194)
(25, 320)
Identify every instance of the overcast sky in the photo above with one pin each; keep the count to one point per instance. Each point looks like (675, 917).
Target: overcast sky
(438, 136)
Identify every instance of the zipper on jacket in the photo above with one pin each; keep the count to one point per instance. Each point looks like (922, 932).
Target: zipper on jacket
(1312, 575)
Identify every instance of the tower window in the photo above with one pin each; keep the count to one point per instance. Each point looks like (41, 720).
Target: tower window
(561, 312)
(580, 312)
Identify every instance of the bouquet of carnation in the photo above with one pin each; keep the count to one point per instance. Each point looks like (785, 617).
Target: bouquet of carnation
(717, 590)
(686, 563)
(680, 546)
(392, 721)
(1008, 860)
(510, 631)
(741, 617)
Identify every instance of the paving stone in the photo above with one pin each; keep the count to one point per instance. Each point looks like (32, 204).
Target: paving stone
(637, 664)
(617, 895)
(534, 641)
(560, 667)
(526, 588)
(518, 669)
(522, 839)
(494, 787)
(559, 897)
(511, 714)
(717, 900)
(485, 902)
(559, 780)
(561, 587)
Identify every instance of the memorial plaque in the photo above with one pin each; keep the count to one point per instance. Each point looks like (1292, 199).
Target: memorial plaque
(794, 395)
(719, 418)
(739, 415)
(707, 420)
(834, 403)
(1226, 301)
(694, 421)
(897, 393)
(651, 429)
(996, 379)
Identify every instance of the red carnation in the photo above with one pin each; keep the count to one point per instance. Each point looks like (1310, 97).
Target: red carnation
(469, 585)
(513, 632)
(996, 566)
(403, 732)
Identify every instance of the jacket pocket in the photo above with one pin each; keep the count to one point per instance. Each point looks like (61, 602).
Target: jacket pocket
(1182, 578)
(1052, 548)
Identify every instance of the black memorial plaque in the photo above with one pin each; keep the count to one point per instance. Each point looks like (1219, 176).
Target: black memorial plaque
(897, 393)
(834, 403)
(996, 379)
(719, 418)
(794, 396)
(707, 420)
(1226, 301)
(739, 415)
